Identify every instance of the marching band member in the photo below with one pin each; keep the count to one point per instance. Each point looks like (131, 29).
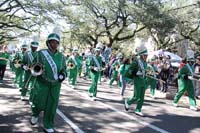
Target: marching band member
(138, 71)
(95, 65)
(17, 63)
(151, 82)
(73, 65)
(185, 83)
(122, 70)
(48, 82)
(88, 54)
(115, 67)
(26, 64)
(81, 58)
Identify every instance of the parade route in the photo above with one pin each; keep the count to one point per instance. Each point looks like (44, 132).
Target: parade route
(78, 113)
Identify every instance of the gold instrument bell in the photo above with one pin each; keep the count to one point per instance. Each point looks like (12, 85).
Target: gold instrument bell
(37, 69)
(17, 63)
(70, 66)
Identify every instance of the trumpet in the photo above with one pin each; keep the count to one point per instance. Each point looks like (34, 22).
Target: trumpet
(37, 69)
(17, 63)
(70, 65)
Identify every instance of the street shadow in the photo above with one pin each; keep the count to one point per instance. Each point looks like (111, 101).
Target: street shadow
(178, 123)
(93, 124)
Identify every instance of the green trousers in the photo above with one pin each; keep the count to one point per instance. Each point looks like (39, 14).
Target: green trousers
(19, 77)
(185, 85)
(25, 83)
(31, 86)
(87, 72)
(45, 98)
(115, 78)
(80, 71)
(93, 87)
(139, 92)
(73, 75)
(152, 84)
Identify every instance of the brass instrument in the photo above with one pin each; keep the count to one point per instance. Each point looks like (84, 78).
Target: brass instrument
(3, 59)
(17, 63)
(27, 67)
(149, 76)
(195, 77)
(98, 69)
(37, 69)
(117, 67)
(71, 66)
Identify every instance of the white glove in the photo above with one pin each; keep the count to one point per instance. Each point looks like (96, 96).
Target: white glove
(61, 77)
(190, 77)
(25, 67)
(96, 69)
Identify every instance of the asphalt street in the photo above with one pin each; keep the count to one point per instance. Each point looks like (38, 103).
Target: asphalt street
(77, 112)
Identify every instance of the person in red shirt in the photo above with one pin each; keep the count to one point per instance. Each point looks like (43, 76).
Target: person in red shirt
(183, 62)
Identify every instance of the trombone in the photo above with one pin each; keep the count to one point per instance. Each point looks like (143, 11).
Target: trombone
(36, 70)
(149, 76)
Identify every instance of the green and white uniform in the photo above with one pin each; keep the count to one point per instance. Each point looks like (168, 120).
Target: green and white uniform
(150, 81)
(139, 66)
(27, 62)
(73, 72)
(47, 86)
(95, 62)
(186, 84)
(18, 70)
(115, 67)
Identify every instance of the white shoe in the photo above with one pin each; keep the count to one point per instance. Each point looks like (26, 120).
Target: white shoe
(175, 104)
(193, 108)
(49, 130)
(34, 120)
(126, 106)
(23, 98)
(121, 97)
(153, 97)
(139, 113)
(90, 94)
(94, 98)
(30, 103)
(73, 86)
